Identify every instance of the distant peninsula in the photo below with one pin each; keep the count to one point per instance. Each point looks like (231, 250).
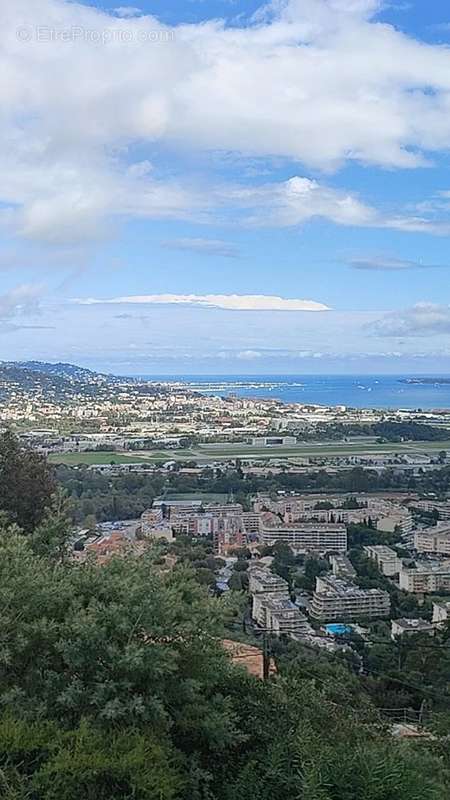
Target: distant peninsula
(426, 380)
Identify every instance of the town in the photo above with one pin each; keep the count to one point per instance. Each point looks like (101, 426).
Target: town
(325, 530)
(308, 533)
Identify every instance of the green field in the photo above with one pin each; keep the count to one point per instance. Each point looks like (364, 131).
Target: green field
(318, 449)
(207, 454)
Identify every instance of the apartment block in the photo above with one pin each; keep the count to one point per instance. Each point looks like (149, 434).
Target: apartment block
(150, 518)
(425, 578)
(339, 600)
(272, 607)
(261, 581)
(429, 506)
(280, 616)
(320, 538)
(392, 522)
(385, 558)
(161, 531)
(400, 627)
(434, 540)
(252, 521)
(342, 566)
(441, 614)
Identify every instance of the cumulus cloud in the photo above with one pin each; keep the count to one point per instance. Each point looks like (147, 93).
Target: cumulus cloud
(387, 264)
(207, 247)
(231, 302)
(423, 319)
(342, 87)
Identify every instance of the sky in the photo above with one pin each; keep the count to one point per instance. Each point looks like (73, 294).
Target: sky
(226, 187)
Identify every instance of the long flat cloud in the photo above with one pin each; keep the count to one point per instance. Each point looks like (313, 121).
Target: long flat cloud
(387, 264)
(202, 246)
(231, 302)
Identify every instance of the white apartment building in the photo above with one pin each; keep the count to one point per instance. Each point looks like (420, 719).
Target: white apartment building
(315, 537)
(279, 615)
(425, 578)
(434, 540)
(339, 600)
(385, 558)
(161, 531)
(441, 614)
(261, 581)
(402, 521)
(400, 627)
(387, 513)
(342, 566)
(272, 607)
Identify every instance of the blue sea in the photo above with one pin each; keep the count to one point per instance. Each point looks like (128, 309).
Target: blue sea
(356, 391)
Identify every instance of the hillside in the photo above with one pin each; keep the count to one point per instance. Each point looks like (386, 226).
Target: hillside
(56, 381)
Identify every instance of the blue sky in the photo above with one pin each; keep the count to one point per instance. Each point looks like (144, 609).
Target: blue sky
(226, 187)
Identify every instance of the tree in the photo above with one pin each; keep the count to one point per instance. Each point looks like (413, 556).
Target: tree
(27, 483)
(113, 684)
(51, 537)
(90, 523)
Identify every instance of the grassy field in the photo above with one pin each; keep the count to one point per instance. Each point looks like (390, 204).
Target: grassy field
(319, 448)
(206, 454)
(73, 459)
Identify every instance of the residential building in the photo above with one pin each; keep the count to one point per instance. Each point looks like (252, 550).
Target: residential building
(401, 521)
(261, 581)
(229, 538)
(435, 540)
(316, 537)
(342, 566)
(252, 521)
(425, 578)
(280, 616)
(441, 614)
(340, 600)
(385, 511)
(400, 627)
(150, 518)
(385, 557)
(431, 506)
(161, 531)
(272, 607)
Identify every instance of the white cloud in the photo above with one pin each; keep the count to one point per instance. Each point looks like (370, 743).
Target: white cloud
(319, 82)
(233, 302)
(299, 200)
(388, 264)
(423, 319)
(214, 247)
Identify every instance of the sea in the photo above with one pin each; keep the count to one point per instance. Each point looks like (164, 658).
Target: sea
(355, 391)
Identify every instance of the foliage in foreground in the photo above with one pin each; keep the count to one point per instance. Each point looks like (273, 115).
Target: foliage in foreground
(113, 685)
